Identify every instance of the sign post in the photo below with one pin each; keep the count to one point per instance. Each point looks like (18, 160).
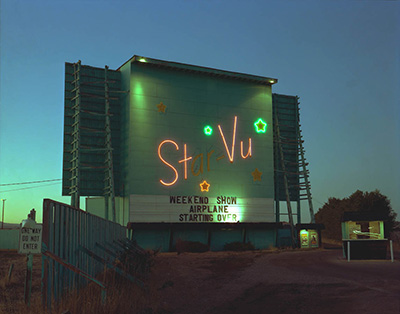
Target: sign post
(30, 242)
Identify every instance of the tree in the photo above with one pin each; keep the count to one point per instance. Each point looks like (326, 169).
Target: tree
(331, 213)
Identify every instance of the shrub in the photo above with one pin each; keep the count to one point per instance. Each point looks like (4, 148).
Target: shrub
(369, 202)
(239, 246)
(191, 246)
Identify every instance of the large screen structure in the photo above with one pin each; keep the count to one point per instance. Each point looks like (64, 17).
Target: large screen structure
(178, 151)
(189, 144)
(197, 144)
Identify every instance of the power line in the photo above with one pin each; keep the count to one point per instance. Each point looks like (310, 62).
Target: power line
(31, 187)
(31, 182)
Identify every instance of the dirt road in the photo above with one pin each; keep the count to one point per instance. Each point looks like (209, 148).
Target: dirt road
(319, 281)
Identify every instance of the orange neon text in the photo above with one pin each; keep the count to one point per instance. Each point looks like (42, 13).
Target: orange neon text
(169, 165)
(197, 161)
(232, 154)
(185, 159)
(248, 152)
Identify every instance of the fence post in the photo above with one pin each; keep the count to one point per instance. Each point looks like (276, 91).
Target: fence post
(28, 279)
(391, 251)
(348, 251)
(10, 272)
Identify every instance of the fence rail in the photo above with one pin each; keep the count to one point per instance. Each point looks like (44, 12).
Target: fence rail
(68, 234)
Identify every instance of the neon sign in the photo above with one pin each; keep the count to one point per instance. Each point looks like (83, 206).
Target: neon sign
(233, 140)
(248, 152)
(204, 186)
(230, 153)
(185, 159)
(261, 126)
(169, 165)
(208, 130)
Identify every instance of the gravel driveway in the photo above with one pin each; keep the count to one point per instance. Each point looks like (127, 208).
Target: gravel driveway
(315, 281)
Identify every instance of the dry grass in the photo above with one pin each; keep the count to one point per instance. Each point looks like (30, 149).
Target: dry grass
(122, 296)
(6, 283)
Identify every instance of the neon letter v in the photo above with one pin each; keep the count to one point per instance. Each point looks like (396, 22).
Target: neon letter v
(233, 140)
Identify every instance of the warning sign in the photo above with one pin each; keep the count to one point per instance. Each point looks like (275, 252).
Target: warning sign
(30, 240)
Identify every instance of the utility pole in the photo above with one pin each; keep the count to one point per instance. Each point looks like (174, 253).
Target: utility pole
(2, 216)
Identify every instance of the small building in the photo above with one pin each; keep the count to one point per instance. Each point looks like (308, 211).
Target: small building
(363, 235)
(309, 235)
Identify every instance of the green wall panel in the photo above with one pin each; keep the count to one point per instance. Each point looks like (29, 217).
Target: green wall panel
(153, 239)
(221, 237)
(193, 101)
(199, 235)
(261, 238)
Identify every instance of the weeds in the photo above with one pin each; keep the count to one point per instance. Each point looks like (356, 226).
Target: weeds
(122, 297)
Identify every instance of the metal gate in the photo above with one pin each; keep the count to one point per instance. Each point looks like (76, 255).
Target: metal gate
(76, 246)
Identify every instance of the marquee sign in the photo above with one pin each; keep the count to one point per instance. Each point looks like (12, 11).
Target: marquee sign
(198, 208)
(200, 148)
(201, 207)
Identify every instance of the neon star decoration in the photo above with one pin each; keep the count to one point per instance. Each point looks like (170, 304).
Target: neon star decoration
(161, 107)
(256, 175)
(204, 186)
(261, 126)
(208, 130)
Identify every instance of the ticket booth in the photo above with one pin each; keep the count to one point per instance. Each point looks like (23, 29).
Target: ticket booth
(363, 236)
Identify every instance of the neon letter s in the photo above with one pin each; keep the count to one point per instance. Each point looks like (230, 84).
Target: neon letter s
(169, 165)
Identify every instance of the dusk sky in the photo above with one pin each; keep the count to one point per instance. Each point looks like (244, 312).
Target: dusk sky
(340, 57)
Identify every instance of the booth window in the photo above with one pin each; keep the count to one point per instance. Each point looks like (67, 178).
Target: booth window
(365, 230)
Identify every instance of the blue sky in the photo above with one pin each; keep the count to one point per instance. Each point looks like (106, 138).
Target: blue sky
(340, 57)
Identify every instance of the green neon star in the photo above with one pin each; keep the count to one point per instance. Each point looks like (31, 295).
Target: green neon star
(208, 130)
(261, 126)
